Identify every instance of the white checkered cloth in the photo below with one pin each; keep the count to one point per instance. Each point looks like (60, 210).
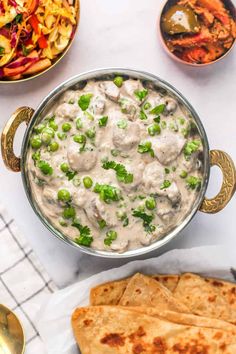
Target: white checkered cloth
(23, 282)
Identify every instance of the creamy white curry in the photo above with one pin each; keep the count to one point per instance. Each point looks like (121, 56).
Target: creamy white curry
(115, 165)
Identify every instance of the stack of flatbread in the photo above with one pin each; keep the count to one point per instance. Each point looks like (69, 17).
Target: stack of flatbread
(161, 314)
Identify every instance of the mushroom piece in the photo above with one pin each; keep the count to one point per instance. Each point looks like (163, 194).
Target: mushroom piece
(98, 105)
(168, 146)
(126, 139)
(153, 177)
(171, 106)
(129, 107)
(97, 211)
(132, 86)
(49, 200)
(80, 161)
(66, 110)
(110, 90)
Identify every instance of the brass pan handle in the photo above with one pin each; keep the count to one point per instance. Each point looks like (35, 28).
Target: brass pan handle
(226, 164)
(21, 115)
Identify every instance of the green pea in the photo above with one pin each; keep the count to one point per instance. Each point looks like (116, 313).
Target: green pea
(118, 81)
(62, 136)
(79, 138)
(39, 128)
(69, 213)
(63, 195)
(64, 167)
(66, 127)
(79, 124)
(47, 135)
(36, 142)
(88, 182)
(154, 129)
(150, 203)
(52, 124)
(54, 146)
(183, 174)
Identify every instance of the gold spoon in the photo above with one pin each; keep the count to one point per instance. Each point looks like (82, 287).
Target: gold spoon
(12, 340)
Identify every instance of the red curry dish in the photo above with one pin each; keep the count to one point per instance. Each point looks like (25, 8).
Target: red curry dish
(198, 31)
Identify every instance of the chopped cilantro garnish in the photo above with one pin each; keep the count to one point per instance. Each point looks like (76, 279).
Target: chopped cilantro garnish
(142, 115)
(165, 184)
(158, 109)
(110, 237)
(70, 174)
(193, 182)
(147, 106)
(157, 119)
(141, 94)
(102, 122)
(146, 147)
(107, 193)
(85, 238)
(84, 101)
(121, 173)
(147, 219)
(45, 168)
(167, 170)
(102, 223)
(191, 147)
(2, 50)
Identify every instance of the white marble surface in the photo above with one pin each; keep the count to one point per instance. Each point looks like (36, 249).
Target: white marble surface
(123, 33)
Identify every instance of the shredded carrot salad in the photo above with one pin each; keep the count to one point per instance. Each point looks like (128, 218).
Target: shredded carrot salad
(33, 33)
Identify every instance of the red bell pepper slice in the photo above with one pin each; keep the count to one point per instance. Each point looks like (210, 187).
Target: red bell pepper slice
(34, 22)
(42, 41)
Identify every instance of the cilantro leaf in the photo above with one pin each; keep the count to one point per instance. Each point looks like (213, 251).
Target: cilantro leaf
(142, 115)
(191, 147)
(147, 219)
(193, 182)
(141, 94)
(107, 193)
(158, 109)
(110, 237)
(84, 101)
(70, 174)
(146, 147)
(103, 121)
(85, 238)
(121, 173)
(165, 184)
